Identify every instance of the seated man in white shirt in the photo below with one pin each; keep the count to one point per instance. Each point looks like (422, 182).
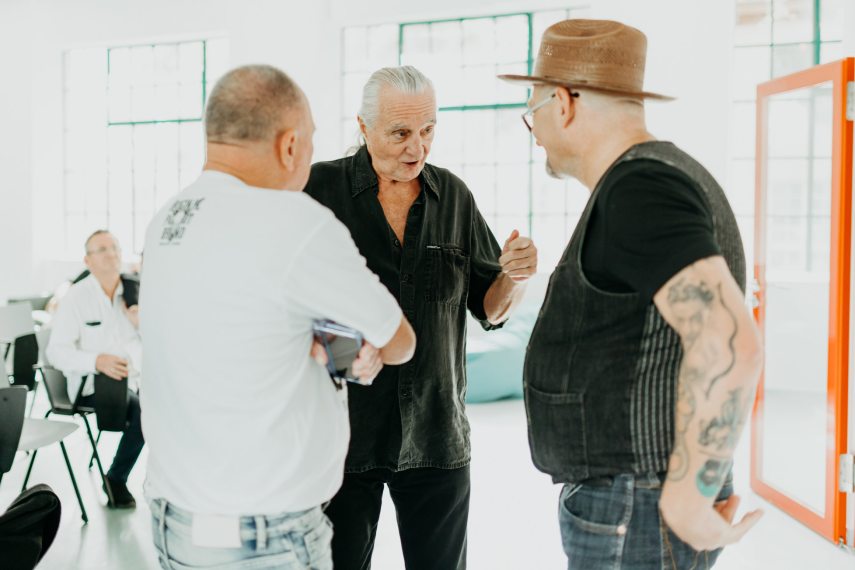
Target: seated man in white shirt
(247, 433)
(94, 331)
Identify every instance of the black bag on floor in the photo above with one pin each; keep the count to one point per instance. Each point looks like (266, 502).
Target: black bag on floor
(28, 527)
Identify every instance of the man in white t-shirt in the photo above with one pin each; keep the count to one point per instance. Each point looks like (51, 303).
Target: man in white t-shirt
(247, 433)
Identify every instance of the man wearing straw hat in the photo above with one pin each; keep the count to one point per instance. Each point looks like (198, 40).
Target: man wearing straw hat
(642, 366)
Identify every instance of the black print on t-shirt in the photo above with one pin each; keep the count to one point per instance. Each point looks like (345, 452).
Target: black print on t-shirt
(180, 215)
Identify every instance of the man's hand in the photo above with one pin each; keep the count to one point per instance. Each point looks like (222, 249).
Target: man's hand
(707, 527)
(367, 364)
(112, 366)
(318, 352)
(519, 257)
(133, 313)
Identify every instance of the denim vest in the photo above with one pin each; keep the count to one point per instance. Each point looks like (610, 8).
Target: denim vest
(601, 368)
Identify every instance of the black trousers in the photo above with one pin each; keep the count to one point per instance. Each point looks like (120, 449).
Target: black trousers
(432, 507)
(131, 444)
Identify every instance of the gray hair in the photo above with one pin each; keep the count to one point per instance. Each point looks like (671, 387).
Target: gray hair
(405, 79)
(95, 234)
(248, 104)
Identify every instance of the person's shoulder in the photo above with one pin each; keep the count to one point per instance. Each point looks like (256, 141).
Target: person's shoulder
(449, 184)
(327, 176)
(80, 290)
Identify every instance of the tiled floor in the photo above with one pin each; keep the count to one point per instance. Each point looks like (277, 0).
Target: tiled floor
(512, 523)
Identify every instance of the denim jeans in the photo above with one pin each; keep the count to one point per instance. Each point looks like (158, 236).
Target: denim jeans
(288, 541)
(131, 444)
(613, 523)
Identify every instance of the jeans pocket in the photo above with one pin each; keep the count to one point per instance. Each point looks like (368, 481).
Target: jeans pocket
(594, 525)
(677, 555)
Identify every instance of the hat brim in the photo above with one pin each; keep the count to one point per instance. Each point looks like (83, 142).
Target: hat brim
(530, 80)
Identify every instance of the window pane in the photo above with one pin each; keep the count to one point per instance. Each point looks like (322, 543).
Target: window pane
(511, 39)
(753, 22)
(355, 49)
(743, 125)
(787, 59)
(382, 47)
(793, 21)
(831, 52)
(831, 20)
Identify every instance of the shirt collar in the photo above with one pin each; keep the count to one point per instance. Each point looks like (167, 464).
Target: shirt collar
(364, 176)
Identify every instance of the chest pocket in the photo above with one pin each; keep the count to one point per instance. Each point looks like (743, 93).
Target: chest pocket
(447, 274)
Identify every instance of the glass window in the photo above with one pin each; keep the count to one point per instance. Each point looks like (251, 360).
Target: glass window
(133, 132)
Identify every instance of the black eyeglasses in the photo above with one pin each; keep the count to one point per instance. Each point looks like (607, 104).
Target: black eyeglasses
(528, 116)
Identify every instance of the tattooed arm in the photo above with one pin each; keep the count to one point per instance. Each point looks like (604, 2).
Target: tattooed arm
(715, 390)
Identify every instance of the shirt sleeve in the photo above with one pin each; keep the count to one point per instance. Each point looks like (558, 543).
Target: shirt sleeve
(63, 350)
(656, 224)
(331, 280)
(484, 268)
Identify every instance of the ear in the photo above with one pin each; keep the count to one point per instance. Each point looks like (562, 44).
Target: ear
(567, 103)
(286, 149)
(86, 262)
(362, 128)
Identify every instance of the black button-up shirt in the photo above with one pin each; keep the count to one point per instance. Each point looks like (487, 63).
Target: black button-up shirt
(413, 415)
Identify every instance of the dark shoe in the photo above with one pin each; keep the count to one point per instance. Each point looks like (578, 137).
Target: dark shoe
(118, 496)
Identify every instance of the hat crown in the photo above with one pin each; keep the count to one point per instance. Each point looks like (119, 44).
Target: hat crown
(601, 54)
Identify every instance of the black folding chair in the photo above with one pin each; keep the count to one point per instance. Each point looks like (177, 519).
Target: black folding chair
(56, 387)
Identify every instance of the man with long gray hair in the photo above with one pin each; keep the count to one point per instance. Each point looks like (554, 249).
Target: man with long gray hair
(420, 231)
(248, 434)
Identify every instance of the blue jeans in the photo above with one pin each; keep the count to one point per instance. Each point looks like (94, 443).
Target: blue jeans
(613, 523)
(288, 541)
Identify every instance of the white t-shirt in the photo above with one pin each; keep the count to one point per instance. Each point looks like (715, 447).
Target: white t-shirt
(88, 323)
(239, 419)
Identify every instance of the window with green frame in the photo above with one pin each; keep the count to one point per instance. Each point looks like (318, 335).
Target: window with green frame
(480, 136)
(773, 38)
(133, 133)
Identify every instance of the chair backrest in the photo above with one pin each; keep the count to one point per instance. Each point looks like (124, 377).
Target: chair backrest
(25, 357)
(37, 303)
(16, 320)
(56, 386)
(13, 402)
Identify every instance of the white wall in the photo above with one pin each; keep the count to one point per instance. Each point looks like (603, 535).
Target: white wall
(16, 211)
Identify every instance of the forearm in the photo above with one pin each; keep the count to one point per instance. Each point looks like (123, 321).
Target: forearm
(710, 415)
(67, 357)
(501, 298)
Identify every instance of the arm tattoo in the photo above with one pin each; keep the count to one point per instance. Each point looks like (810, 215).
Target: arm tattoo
(711, 476)
(685, 413)
(722, 432)
(691, 305)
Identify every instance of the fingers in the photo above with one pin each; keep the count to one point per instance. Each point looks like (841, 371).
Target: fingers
(727, 508)
(368, 364)
(318, 353)
(514, 235)
(738, 530)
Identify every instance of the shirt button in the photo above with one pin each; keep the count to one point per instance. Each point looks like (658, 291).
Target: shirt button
(405, 278)
(397, 243)
(621, 530)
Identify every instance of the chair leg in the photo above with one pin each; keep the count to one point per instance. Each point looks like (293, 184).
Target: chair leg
(33, 401)
(74, 483)
(97, 459)
(97, 441)
(29, 470)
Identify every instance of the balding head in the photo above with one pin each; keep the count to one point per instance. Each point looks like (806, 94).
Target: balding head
(259, 128)
(252, 103)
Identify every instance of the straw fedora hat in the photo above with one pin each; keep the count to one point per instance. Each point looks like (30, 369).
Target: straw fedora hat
(602, 55)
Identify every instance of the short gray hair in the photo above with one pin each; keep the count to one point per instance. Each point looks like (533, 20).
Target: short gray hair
(248, 104)
(405, 79)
